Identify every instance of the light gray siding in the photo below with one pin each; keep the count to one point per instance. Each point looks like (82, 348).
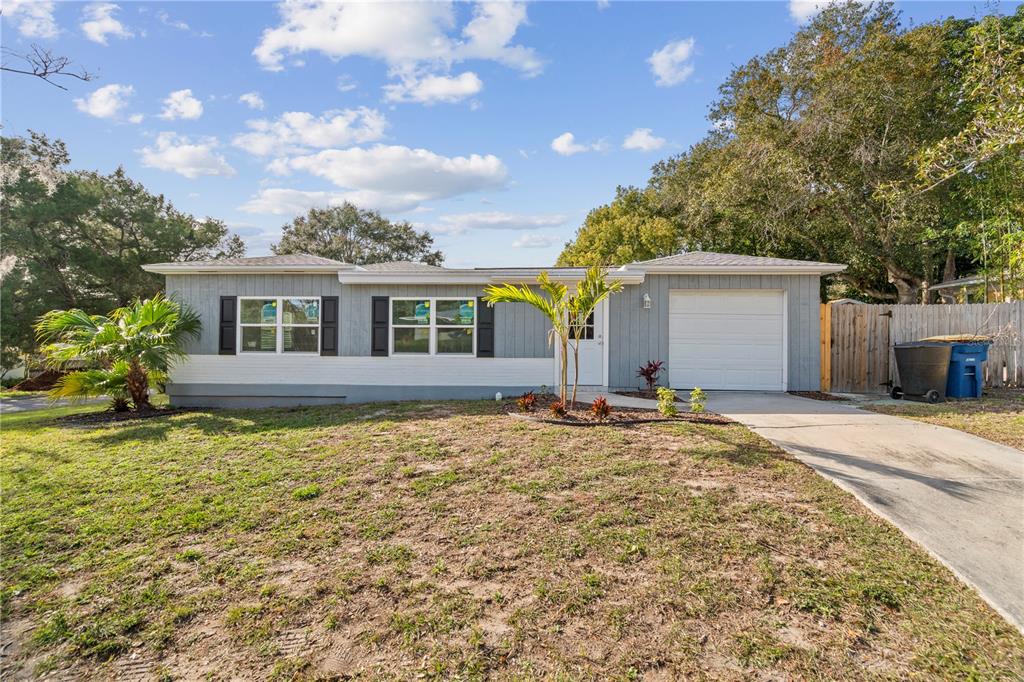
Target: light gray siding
(636, 335)
(520, 331)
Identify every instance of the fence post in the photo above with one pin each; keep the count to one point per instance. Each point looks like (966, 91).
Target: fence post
(825, 312)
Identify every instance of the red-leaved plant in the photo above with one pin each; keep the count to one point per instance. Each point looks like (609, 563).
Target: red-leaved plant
(650, 372)
(601, 408)
(557, 409)
(527, 402)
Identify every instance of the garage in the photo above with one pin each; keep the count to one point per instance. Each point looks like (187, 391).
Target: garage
(727, 340)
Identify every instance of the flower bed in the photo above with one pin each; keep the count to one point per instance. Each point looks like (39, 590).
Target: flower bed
(582, 416)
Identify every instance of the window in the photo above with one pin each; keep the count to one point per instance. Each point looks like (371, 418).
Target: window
(433, 326)
(587, 333)
(279, 325)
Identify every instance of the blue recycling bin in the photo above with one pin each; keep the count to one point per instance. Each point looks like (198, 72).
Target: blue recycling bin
(965, 378)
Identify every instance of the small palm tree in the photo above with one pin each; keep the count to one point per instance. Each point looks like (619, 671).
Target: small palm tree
(555, 307)
(590, 292)
(128, 351)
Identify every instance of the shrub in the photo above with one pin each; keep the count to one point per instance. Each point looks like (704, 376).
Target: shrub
(557, 409)
(527, 402)
(697, 400)
(601, 408)
(667, 402)
(650, 372)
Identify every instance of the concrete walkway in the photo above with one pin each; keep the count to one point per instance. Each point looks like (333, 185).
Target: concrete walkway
(959, 496)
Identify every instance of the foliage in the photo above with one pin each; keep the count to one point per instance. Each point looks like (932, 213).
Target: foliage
(894, 150)
(697, 400)
(600, 408)
(557, 409)
(353, 235)
(667, 401)
(527, 402)
(591, 291)
(78, 239)
(650, 372)
(628, 229)
(128, 351)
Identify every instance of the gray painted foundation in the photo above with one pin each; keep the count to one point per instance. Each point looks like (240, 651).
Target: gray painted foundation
(290, 395)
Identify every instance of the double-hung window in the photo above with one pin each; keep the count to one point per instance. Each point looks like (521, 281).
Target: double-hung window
(433, 326)
(279, 324)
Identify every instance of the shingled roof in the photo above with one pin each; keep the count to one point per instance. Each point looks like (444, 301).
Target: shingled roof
(712, 259)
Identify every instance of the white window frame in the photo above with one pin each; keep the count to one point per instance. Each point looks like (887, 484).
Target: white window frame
(280, 325)
(432, 327)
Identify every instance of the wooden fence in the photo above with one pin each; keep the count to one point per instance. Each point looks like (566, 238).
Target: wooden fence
(857, 341)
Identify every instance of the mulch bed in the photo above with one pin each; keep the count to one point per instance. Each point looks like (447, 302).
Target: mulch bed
(111, 417)
(646, 395)
(625, 416)
(818, 395)
(43, 381)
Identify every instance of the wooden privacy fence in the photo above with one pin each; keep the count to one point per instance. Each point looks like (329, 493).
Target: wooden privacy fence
(857, 340)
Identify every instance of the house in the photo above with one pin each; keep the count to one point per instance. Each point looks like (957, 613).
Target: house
(299, 329)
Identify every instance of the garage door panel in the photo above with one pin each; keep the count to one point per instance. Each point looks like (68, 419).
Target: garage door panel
(726, 339)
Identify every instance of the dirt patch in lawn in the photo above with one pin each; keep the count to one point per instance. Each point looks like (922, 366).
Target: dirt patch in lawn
(111, 417)
(448, 541)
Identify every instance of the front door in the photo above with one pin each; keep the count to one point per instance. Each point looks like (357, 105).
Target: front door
(591, 350)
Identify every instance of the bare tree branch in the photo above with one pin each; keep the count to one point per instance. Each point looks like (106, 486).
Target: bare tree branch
(42, 63)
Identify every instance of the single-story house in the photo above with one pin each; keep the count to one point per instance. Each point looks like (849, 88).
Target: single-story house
(297, 329)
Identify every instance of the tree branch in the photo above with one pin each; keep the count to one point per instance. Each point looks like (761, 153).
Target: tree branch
(43, 64)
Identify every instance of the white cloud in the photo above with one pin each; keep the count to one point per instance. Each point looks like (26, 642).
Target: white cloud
(279, 201)
(34, 18)
(395, 178)
(179, 154)
(642, 139)
(106, 102)
(433, 89)
(671, 64)
(296, 130)
(803, 11)
(566, 145)
(535, 241)
(177, 24)
(136, 118)
(420, 42)
(346, 83)
(253, 100)
(99, 22)
(460, 223)
(181, 104)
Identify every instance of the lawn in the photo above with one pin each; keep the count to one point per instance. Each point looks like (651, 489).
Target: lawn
(997, 416)
(450, 541)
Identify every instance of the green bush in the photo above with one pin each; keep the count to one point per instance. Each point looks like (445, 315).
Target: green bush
(667, 402)
(697, 400)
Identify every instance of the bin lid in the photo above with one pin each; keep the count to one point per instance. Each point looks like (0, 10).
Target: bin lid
(960, 338)
(920, 344)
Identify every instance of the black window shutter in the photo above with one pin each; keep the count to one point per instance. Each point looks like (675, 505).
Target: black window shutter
(484, 329)
(228, 312)
(328, 325)
(379, 312)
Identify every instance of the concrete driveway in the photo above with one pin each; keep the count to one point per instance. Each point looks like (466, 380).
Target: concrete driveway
(960, 496)
(29, 403)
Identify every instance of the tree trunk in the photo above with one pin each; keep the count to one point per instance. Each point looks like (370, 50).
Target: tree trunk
(948, 273)
(138, 385)
(576, 370)
(565, 369)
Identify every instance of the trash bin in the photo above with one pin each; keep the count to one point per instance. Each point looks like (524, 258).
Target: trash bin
(965, 377)
(924, 368)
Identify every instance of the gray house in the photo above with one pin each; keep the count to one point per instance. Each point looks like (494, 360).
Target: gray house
(285, 330)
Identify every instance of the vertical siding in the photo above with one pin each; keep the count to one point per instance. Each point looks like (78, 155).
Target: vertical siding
(520, 330)
(637, 335)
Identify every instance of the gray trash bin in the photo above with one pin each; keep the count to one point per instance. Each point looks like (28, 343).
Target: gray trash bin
(924, 368)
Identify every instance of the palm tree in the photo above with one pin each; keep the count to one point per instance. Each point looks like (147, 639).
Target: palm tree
(555, 307)
(128, 351)
(590, 292)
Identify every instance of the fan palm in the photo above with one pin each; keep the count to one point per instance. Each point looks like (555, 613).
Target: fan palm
(590, 292)
(127, 351)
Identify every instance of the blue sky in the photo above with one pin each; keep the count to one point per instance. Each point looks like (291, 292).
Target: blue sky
(454, 117)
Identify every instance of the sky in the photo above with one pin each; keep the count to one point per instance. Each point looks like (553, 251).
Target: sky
(495, 126)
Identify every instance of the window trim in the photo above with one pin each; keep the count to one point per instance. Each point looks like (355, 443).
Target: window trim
(279, 326)
(432, 327)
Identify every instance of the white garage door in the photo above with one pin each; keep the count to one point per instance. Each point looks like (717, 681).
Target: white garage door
(731, 340)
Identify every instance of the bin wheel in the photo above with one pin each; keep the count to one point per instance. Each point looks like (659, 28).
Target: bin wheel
(896, 393)
(932, 396)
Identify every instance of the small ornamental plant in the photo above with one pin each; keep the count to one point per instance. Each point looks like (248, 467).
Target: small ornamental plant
(527, 402)
(697, 400)
(600, 408)
(557, 409)
(667, 402)
(650, 372)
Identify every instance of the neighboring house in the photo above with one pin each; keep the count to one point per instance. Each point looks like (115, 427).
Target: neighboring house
(300, 329)
(980, 289)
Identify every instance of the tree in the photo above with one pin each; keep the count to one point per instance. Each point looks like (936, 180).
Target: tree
(626, 230)
(130, 350)
(41, 63)
(353, 235)
(78, 238)
(590, 292)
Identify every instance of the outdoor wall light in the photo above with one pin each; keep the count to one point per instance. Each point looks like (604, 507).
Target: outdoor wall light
(647, 301)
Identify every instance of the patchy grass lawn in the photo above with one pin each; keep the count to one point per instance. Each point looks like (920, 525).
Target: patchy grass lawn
(446, 540)
(997, 416)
